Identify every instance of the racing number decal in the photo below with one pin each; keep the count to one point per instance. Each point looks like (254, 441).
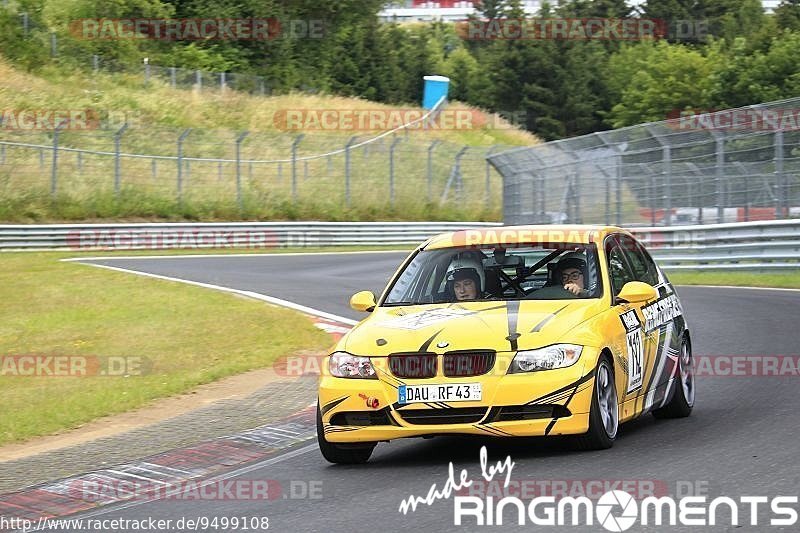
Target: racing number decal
(633, 337)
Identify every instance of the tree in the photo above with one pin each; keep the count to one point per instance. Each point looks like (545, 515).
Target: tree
(653, 80)
(787, 15)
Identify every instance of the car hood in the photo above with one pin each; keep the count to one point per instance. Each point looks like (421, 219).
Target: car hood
(490, 325)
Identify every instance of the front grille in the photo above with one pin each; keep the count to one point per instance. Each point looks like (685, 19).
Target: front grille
(527, 412)
(463, 364)
(362, 418)
(413, 365)
(455, 415)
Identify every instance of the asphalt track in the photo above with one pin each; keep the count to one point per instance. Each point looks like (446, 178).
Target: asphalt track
(742, 438)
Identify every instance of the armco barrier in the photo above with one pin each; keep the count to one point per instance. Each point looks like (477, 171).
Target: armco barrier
(738, 246)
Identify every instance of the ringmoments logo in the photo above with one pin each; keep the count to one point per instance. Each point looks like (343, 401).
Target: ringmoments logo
(615, 510)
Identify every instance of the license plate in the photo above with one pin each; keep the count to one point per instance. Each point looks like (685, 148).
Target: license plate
(456, 392)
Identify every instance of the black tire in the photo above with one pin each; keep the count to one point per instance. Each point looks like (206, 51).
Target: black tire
(679, 405)
(598, 437)
(343, 454)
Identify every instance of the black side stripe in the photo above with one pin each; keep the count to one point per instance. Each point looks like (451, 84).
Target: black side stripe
(330, 405)
(553, 421)
(512, 311)
(582, 380)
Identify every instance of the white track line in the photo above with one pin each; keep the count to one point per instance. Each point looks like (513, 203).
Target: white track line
(200, 256)
(249, 294)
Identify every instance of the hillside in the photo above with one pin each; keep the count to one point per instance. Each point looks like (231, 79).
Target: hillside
(158, 114)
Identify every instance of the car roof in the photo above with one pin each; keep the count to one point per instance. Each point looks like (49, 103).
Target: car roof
(549, 233)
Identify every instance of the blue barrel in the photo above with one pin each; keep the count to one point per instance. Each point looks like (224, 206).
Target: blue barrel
(436, 87)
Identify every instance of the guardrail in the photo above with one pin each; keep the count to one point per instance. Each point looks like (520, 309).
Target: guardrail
(740, 246)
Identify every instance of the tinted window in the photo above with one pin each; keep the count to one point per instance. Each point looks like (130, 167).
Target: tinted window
(523, 271)
(617, 269)
(643, 267)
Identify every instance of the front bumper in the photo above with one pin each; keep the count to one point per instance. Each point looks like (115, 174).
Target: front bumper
(552, 402)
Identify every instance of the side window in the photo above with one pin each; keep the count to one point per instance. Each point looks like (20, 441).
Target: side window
(617, 269)
(643, 267)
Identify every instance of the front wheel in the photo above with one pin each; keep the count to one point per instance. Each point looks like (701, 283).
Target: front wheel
(682, 401)
(346, 454)
(604, 411)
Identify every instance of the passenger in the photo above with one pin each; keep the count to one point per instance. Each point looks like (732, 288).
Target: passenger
(571, 271)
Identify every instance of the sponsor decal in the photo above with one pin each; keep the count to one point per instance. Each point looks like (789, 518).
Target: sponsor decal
(633, 340)
(660, 312)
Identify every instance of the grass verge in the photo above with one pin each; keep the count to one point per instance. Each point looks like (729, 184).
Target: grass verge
(184, 335)
(788, 280)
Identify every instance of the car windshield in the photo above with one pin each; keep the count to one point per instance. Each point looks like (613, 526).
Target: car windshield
(554, 271)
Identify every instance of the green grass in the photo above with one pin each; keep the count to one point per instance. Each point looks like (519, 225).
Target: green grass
(788, 280)
(187, 335)
(159, 114)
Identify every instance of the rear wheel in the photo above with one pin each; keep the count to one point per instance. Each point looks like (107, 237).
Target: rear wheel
(346, 454)
(604, 412)
(682, 401)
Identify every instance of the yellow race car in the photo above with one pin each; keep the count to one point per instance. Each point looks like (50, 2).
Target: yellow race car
(509, 332)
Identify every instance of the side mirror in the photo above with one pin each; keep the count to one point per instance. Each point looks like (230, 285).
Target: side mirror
(635, 292)
(363, 301)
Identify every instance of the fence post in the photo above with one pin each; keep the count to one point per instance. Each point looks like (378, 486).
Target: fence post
(222, 81)
(95, 63)
(433, 145)
(198, 78)
(455, 174)
(53, 45)
(180, 162)
(718, 176)
(25, 23)
(295, 145)
(146, 71)
(391, 169)
(79, 156)
(172, 80)
(619, 191)
(239, 141)
(117, 170)
(154, 168)
(668, 182)
(487, 193)
(3, 154)
(54, 169)
(780, 179)
(347, 147)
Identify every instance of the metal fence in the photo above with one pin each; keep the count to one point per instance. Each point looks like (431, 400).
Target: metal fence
(723, 166)
(763, 245)
(402, 169)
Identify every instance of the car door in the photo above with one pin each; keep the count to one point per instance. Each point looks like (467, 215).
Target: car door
(663, 320)
(637, 353)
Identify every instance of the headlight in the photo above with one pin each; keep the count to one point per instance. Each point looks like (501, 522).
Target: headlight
(345, 365)
(555, 356)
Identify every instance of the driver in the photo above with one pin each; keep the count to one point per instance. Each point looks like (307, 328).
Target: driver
(465, 279)
(571, 272)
